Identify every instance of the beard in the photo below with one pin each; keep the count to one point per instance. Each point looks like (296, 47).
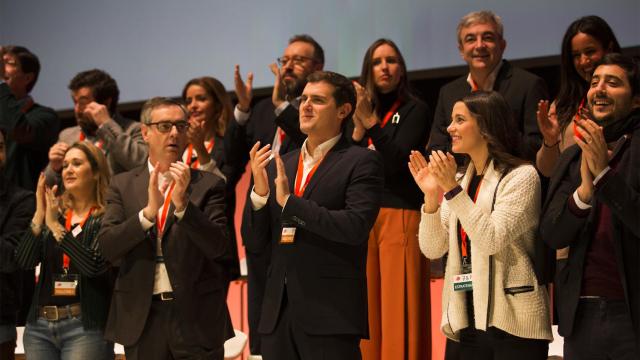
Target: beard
(293, 87)
(88, 126)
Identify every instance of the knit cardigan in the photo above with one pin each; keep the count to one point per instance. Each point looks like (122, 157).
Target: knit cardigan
(506, 294)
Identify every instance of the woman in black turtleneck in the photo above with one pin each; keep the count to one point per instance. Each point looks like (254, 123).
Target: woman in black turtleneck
(392, 121)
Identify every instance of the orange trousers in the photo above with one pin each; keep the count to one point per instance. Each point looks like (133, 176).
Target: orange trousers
(398, 289)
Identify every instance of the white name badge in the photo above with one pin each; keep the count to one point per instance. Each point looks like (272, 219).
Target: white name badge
(288, 235)
(462, 282)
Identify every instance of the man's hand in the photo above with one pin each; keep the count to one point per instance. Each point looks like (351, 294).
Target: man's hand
(585, 190)
(56, 156)
(155, 196)
(244, 91)
(282, 183)
(181, 175)
(97, 112)
(593, 145)
(277, 97)
(259, 159)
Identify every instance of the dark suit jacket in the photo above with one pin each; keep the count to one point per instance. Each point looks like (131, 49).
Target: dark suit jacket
(521, 89)
(29, 136)
(16, 210)
(325, 269)
(190, 247)
(560, 227)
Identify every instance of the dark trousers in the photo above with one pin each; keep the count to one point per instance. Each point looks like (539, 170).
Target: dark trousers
(495, 344)
(257, 265)
(602, 330)
(166, 337)
(288, 341)
(7, 349)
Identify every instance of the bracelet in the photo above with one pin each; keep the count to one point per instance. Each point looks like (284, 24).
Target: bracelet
(453, 192)
(550, 146)
(35, 227)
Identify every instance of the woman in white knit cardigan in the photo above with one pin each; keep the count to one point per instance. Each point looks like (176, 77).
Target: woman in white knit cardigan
(491, 301)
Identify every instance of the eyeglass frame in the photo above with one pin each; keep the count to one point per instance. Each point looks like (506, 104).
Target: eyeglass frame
(178, 124)
(296, 59)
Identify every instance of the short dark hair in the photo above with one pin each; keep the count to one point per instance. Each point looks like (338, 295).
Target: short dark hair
(29, 62)
(156, 102)
(102, 86)
(344, 92)
(630, 67)
(318, 53)
(497, 125)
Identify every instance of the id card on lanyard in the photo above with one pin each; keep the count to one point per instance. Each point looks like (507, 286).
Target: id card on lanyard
(288, 233)
(464, 281)
(66, 284)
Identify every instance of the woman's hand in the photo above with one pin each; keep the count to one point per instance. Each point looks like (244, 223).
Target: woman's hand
(548, 123)
(41, 206)
(364, 110)
(196, 135)
(425, 180)
(53, 212)
(443, 166)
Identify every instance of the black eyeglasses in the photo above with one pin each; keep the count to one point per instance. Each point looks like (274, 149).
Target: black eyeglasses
(166, 126)
(297, 60)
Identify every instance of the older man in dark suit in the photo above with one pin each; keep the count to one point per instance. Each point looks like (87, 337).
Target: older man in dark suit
(165, 227)
(481, 44)
(315, 304)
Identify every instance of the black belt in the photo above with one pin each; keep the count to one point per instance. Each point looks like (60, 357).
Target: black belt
(55, 313)
(165, 296)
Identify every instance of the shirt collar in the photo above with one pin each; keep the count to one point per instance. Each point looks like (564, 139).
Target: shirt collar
(321, 150)
(491, 79)
(164, 177)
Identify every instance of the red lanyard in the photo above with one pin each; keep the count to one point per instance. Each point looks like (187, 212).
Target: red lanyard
(463, 234)
(190, 153)
(282, 135)
(67, 226)
(162, 219)
(576, 118)
(388, 116)
(97, 143)
(474, 86)
(298, 190)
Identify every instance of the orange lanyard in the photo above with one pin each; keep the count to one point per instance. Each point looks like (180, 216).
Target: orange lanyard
(162, 219)
(197, 161)
(463, 234)
(299, 190)
(388, 116)
(474, 86)
(282, 135)
(67, 226)
(97, 143)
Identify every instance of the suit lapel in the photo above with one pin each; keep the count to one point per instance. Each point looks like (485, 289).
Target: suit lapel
(327, 163)
(141, 186)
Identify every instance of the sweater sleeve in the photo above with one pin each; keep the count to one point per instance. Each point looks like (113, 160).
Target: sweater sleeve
(433, 233)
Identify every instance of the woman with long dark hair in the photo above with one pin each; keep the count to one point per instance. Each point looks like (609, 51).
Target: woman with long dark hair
(210, 115)
(585, 42)
(390, 119)
(487, 223)
(71, 302)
